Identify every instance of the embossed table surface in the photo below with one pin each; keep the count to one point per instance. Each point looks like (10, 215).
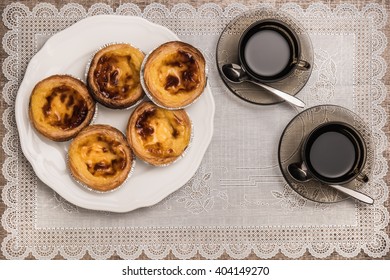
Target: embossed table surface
(237, 205)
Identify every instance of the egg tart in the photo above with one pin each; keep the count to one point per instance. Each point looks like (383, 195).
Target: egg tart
(100, 158)
(60, 106)
(114, 76)
(174, 75)
(158, 136)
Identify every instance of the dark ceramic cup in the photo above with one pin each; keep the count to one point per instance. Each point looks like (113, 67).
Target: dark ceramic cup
(335, 153)
(269, 50)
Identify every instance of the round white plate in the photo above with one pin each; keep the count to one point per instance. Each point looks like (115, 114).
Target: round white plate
(68, 52)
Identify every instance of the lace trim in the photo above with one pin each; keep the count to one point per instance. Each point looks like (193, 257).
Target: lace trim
(24, 238)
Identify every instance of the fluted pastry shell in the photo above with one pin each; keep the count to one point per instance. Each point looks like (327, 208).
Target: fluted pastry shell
(100, 157)
(114, 76)
(60, 107)
(158, 136)
(174, 75)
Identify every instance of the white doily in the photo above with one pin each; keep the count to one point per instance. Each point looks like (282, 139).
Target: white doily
(238, 201)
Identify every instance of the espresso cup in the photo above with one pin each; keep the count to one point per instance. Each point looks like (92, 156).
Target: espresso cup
(269, 50)
(335, 153)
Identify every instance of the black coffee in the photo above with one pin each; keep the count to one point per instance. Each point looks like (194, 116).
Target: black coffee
(267, 53)
(332, 154)
(268, 50)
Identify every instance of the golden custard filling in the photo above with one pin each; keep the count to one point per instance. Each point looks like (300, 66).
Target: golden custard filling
(162, 133)
(178, 73)
(102, 156)
(61, 107)
(117, 73)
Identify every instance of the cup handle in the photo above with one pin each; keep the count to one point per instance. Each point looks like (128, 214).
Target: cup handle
(362, 178)
(302, 65)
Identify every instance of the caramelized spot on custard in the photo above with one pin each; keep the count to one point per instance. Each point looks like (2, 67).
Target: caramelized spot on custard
(175, 64)
(63, 97)
(162, 132)
(181, 73)
(175, 132)
(142, 124)
(103, 156)
(172, 81)
(188, 76)
(114, 76)
(65, 108)
(186, 57)
(101, 166)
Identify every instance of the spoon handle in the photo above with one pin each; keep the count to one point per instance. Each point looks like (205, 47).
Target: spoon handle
(289, 98)
(355, 194)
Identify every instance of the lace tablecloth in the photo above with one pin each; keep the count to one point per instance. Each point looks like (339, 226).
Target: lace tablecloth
(238, 201)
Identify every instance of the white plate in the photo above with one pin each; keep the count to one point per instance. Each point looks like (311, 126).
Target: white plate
(68, 52)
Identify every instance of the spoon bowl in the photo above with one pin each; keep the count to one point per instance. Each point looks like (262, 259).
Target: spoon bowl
(298, 171)
(234, 73)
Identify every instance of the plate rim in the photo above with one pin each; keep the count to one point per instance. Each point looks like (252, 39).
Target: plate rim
(29, 154)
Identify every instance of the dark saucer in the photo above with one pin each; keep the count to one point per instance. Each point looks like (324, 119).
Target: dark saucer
(227, 52)
(292, 140)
